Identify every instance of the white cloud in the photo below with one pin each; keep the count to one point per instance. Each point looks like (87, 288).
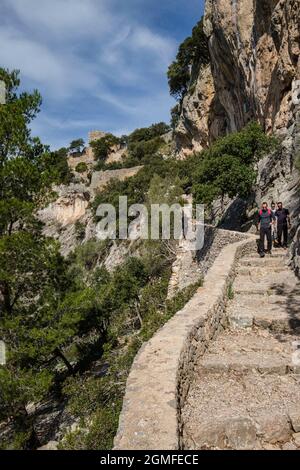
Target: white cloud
(36, 61)
(62, 17)
(146, 40)
(77, 50)
(116, 102)
(60, 73)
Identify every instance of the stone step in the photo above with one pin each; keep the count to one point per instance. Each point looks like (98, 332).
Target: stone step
(275, 312)
(233, 410)
(282, 282)
(250, 350)
(259, 270)
(275, 254)
(262, 262)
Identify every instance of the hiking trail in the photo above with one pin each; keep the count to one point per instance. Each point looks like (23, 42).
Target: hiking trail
(246, 388)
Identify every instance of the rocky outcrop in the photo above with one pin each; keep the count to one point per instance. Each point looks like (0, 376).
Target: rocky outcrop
(70, 205)
(60, 217)
(193, 130)
(254, 49)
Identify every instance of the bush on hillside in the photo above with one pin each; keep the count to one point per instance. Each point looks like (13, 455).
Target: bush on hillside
(102, 147)
(81, 167)
(148, 133)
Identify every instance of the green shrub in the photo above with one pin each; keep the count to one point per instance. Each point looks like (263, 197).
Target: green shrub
(103, 146)
(79, 230)
(175, 116)
(56, 164)
(148, 133)
(227, 167)
(230, 291)
(81, 167)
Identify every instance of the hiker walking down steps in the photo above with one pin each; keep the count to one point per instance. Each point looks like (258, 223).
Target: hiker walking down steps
(283, 222)
(266, 220)
(274, 226)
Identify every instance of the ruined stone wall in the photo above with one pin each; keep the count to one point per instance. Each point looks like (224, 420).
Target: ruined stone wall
(101, 178)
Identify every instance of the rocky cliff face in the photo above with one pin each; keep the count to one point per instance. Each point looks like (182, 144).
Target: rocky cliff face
(254, 49)
(254, 74)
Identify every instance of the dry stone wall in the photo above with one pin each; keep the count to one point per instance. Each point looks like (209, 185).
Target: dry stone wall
(190, 266)
(101, 178)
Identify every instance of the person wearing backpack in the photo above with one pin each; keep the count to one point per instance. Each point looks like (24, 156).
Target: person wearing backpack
(266, 220)
(283, 222)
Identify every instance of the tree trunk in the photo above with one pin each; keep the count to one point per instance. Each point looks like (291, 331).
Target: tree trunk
(65, 360)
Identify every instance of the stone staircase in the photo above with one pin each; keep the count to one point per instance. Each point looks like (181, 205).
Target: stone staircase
(246, 391)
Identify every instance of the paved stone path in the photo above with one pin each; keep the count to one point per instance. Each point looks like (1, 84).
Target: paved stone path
(246, 392)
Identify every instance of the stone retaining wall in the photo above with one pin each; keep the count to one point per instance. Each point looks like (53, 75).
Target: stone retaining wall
(159, 380)
(101, 178)
(190, 266)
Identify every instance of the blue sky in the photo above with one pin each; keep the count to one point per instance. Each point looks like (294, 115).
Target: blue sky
(99, 64)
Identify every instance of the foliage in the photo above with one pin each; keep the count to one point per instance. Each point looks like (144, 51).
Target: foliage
(166, 190)
(227, 167)
(230, 291)
(141, 153)
(192, 52)
(79, 230)
(148, 133)
(27, 168)
(50, 305)
(39, 318)
(98, 401)
(18, 388)
(57, 164)
(103, 146)
(136, 187)
(175, 115)
(15, 118)
(81, 167)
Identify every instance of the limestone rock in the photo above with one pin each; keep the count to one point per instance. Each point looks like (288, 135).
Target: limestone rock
(241, 434)
(52, 445)
(254, 49)
(296, 437)
(69, 207)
